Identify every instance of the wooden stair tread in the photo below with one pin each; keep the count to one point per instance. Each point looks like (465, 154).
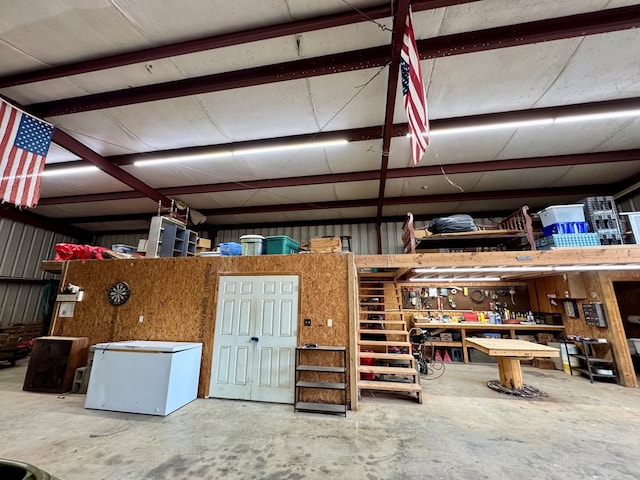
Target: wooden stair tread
(389, 386)
(385, 343)
(384, 331)
(387, 356)
(321, 407)
(398, 322)
(387, 370)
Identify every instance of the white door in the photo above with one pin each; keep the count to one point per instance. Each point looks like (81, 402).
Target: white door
(255, 338)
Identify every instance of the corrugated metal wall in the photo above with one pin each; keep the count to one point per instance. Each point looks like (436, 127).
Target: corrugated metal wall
(363, 236)
(130, 239)
(22, 249)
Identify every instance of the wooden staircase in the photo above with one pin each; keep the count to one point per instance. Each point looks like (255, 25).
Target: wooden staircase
(384, 350)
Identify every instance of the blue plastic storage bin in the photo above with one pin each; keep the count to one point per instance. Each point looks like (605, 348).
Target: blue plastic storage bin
(565, 227)
(230, 249)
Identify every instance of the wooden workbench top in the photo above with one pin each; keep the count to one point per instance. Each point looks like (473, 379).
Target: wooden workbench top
(507, 347)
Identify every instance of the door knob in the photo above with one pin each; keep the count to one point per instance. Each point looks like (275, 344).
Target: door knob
(255, 339)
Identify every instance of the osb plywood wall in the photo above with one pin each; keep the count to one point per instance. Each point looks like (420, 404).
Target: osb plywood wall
(176, 298)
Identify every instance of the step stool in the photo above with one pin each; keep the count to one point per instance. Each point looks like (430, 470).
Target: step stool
(77, 380)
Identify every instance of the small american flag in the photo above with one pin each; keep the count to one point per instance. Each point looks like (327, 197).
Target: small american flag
(415, 98)
(24, 144)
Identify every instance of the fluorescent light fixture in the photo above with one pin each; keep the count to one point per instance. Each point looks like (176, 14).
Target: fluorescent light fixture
(586, 117)
(597, 116)
(241, 151)
(492, 126)
(182, 158)
(460, 279)
(482, 269)
(595, 268)
(69, 171)
(294, 146)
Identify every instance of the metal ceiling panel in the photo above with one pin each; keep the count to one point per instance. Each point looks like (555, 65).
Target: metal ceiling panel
(494, 13)
(574, 137)
(79, 184)
(105, 208)
(614, 75)
(603, 66)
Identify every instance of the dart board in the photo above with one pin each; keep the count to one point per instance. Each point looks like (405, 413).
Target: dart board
(119, 293)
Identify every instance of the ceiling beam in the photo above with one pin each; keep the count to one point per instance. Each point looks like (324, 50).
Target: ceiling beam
(521, 34)
(38, 221)
(74, 146)
(366, 175)
(217, 41)
(583, 190)
(400, 19)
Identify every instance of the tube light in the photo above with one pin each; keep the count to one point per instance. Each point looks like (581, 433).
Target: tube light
(586, 117)
(482, 269)
(595, 268)
(492, 126)
(241, 151)
(597, 116)
(69, 171)
(460, 279)
(182, 158)
(294, 146)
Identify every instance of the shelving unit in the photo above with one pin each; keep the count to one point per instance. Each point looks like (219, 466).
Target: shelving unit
(321, 370)
(169, 237)
(596, 367)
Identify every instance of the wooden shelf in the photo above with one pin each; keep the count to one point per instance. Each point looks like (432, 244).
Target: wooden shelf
(300, 385)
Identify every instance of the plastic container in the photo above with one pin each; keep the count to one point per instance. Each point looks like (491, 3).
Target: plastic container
(566, 227)
(561, 214)
(281, 245)
(229, 249)
(568, 240)
(252, 244)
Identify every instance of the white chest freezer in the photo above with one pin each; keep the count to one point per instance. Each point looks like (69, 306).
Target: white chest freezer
(139, 376)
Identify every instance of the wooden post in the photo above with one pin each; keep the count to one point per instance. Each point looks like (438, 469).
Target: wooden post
(510, 372)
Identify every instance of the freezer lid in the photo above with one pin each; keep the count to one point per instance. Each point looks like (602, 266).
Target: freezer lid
(148, 346)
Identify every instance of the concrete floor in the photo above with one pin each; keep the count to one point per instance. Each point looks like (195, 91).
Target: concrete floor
(463, 430)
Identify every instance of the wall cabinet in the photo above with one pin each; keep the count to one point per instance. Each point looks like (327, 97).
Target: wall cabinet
(548, 292)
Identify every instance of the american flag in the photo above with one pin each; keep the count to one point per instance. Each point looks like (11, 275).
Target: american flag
(415, 98)
(24, 144)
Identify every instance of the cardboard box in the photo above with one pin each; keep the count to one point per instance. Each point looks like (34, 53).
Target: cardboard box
(543, 338)
(325, 245)
(446, 337)
(544, 363)
(204, 243)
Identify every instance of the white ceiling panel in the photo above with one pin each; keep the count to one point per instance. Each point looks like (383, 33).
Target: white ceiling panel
(80, 184)
(496, 13)
(576, 70)
(136, 205)
(614, 75)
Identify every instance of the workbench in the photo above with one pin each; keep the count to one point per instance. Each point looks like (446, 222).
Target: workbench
(509, 352)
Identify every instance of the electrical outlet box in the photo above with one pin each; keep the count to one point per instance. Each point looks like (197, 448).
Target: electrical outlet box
(307, 322)
(329, 322)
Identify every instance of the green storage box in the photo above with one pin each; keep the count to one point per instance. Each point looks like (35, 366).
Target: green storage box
(281, 245)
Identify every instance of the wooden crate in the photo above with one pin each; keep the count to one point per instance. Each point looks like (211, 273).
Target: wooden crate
(325, 245)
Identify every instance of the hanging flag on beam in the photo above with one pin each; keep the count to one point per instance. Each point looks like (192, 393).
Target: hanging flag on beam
(24, 144)
(415, 98)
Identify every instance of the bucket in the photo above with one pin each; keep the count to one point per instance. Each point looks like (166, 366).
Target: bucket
(252, 244)
(13, 470)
